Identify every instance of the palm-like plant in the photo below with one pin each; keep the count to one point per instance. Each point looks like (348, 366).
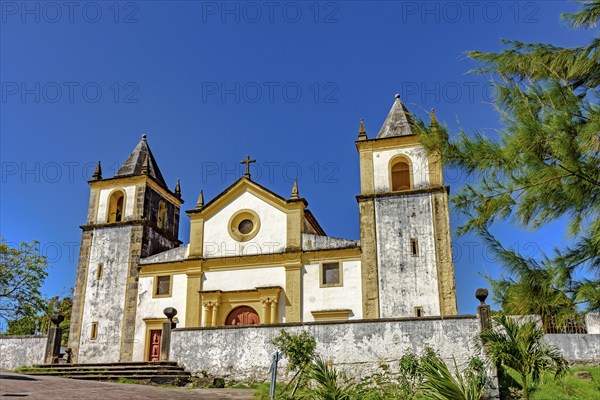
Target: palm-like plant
(442, 385)
(330, 384)
(521, 347)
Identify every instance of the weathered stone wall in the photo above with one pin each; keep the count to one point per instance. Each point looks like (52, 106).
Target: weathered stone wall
(105, 297)
(244, 353)
(17, 351)
(406, 281)
(577, 348)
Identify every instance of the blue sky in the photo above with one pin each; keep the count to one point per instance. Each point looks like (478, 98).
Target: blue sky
(210, 82)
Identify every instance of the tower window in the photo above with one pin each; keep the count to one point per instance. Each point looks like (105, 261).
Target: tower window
(331, 274)
(400, 173)
(94, 331)
(115, 206)
(414, 247)
(100, 271)
(419, 312)
(162, 214)
(162, 285)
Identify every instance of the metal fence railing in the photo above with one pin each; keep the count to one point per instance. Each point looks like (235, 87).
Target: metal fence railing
(569, 325)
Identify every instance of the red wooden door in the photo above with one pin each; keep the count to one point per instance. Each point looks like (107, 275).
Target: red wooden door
(154, 353)
(243, 315)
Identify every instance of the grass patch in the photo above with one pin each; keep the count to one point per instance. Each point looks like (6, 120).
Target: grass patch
(570, 387)
(127, 380)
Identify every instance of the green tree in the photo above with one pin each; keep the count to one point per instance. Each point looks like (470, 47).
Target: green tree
(520, 347)
(544, 164)
(22, 272)
(534, 287)
(299, 349)
(39, 323)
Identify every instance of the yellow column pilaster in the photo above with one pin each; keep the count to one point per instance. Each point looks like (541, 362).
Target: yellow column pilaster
(196, 237)
(192, 309)
(293, 293)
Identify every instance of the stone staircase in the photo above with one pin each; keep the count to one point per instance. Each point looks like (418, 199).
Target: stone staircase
(159, 373)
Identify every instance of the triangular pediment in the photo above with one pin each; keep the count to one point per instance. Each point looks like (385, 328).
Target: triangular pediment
(246, 185)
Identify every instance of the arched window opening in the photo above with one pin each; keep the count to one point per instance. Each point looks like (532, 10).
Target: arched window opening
(162, 215)
(400, 176)
(116, 207)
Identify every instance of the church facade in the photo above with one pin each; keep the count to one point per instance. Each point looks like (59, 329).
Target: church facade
(256, 257)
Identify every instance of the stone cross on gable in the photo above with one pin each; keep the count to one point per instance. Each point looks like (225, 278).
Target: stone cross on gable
(247, 161)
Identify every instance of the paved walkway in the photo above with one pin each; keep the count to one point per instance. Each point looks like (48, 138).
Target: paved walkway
(49, 388)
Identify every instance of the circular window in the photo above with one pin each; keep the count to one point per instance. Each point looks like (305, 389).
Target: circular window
(244, 225)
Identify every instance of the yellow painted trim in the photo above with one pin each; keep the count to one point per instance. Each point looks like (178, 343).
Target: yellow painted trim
(155, 286)
(196, 237)
(388, 143)
(108, 204)
(331, 315)
(294, 226)
(367, 176)
(192, 304)
(237, 218)
(94, 330)
(142, 180)
(293, 292)
(265, 301)
(245, 185)
(394, 160)
(340, 272)
(152, 324)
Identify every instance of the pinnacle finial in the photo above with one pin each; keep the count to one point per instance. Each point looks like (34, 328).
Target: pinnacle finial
(200, 202)
(97, 172)
(397, 95)
(362, 132)
(145, 166)
(144, 136)
(295, 195)
(178, 189)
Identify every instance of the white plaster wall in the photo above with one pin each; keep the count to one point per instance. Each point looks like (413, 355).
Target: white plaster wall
(358, 347)
(406, 281)
(19, 351)
(348, 296)
(381, 167)
(105, 298)
(244, 279)
(150, 307)
(271, 238)
(103, 204)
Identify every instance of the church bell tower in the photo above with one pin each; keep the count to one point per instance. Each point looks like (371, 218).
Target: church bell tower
(407, 268)
(130, 216)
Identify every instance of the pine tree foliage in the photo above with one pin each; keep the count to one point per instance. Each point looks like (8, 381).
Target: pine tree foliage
(544, 164)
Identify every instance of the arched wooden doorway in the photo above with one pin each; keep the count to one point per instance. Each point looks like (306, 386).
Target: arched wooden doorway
(243, 315)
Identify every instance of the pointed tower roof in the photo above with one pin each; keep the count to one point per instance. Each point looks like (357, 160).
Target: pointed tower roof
(398, 121)
(141, 161)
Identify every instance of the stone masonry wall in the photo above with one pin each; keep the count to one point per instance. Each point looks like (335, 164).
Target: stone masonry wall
(244, 353)
(18, 351)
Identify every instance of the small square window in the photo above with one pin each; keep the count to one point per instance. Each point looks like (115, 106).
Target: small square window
(418, 312)
(162, 285)
(414, 247)
(331, 274)
(94, 331)
(100, 271)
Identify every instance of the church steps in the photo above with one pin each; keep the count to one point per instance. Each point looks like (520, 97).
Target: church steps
(148, 372)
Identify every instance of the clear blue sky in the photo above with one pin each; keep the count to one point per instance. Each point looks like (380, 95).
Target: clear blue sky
(209, 82)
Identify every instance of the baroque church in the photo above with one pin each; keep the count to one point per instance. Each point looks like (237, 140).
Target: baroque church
(256, 257)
